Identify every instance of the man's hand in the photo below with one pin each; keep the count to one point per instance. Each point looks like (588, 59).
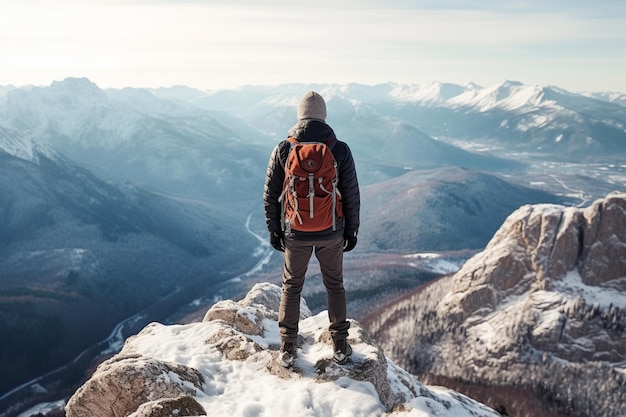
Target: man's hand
(277, 241)
(349, 241)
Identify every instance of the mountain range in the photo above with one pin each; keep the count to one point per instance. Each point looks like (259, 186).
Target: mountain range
(130, 134)
(512, 115)
(115, 200)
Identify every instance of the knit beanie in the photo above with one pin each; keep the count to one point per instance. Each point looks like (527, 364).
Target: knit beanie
(312, 106)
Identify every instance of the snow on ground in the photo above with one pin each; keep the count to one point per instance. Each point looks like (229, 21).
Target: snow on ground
(434, 263)
(246, 388)
(43, 408)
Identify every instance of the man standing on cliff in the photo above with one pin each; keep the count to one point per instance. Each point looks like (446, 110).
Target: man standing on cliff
(328, 244)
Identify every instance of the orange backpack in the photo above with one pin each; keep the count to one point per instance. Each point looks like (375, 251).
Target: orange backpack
(310, 200)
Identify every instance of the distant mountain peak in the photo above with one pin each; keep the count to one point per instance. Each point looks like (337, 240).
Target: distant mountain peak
(472, 85)
(512, 83)
(427, 93)
(510, 95)
(81, 91)
(80, 83)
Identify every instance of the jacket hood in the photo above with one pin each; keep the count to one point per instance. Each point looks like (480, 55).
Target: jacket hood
(312, 131)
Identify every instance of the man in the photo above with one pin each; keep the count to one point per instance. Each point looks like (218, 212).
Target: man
(328, 244)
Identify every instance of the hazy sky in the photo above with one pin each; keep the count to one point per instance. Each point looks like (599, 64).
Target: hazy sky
(579, 45)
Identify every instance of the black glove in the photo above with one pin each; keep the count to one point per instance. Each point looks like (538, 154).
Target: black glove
(276, 240)
(349, 241)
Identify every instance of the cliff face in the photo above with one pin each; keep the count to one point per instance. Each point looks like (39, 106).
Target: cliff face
(545, 242)
(557, 272)
(542, 308)
(227, 366)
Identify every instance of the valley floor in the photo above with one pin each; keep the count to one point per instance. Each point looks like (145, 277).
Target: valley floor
(585, 181)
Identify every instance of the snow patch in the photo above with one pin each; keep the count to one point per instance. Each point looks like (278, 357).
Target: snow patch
(434, 263)
(43, 408)
(574, 286)
(24, 146)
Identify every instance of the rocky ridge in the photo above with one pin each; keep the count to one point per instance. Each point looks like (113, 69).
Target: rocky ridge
(542, 308)
(226, 365)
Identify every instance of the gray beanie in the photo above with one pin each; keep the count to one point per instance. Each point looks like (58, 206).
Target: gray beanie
(312, 106)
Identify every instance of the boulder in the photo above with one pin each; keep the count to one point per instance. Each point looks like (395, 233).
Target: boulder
(246, 316)
(123, 383)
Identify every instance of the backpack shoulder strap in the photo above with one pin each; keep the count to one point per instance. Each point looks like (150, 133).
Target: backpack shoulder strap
(331, 143)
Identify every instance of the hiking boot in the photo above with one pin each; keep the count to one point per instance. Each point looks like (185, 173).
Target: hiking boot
(342, 351)
(287, 354)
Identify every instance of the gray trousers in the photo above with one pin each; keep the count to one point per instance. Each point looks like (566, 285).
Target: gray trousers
(329, 253)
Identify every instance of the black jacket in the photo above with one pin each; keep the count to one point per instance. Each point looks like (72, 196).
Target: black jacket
(313, 131)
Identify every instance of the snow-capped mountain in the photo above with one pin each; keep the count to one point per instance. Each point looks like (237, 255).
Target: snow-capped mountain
(618, 98)
(227, 365)
(131, 135)
(383, 144)
(428, 94)
(186, 141)
(536, 319)
(544, 120)
(389, 141)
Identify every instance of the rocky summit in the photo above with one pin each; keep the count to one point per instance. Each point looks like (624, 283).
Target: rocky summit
(227, 365)
(532, 325)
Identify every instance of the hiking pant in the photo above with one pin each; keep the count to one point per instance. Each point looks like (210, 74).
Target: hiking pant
(329, 253)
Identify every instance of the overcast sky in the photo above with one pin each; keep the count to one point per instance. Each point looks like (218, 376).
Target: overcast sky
(579, 45)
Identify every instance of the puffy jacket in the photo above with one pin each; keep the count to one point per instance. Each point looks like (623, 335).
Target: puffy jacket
(348, 186)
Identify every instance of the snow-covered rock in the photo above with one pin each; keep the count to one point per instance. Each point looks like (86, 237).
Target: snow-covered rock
(228, 363)
(126, 381)
(542, 308)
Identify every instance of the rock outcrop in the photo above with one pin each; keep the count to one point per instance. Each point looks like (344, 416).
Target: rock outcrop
(562, 262)
(542, 308)
(125, 382)
(230, 357)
